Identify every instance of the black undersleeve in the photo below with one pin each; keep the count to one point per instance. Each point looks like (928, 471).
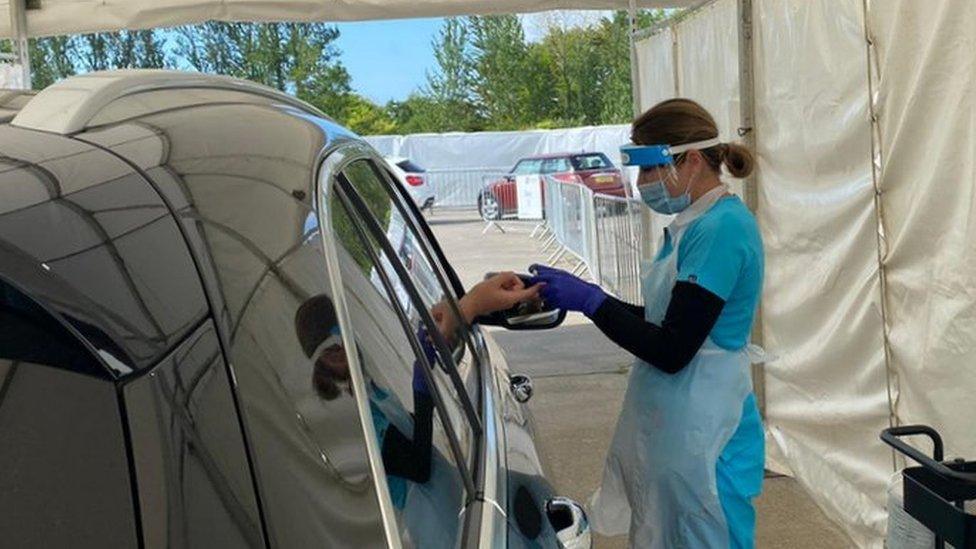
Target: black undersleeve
(409, 457)
(690, 317)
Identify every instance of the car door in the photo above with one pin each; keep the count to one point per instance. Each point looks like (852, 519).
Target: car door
(63, 452)
(393, 288)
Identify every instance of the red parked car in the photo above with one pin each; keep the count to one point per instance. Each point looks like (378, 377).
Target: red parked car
(592, 169)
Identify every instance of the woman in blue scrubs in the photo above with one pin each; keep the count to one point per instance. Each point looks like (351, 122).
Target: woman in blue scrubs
(687, 455)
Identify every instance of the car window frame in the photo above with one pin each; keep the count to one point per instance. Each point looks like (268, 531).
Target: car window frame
(431, 244)
(403, 319)
(431, 249)
(331, 162)
(353, 201)
(446, 277)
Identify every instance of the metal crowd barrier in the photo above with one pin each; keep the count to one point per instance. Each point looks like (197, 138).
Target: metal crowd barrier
(605, 234)
(460, 188)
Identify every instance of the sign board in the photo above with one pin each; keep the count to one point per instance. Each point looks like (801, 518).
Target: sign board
(528, 190)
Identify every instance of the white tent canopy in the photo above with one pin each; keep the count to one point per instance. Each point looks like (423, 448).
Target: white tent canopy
(55, 17)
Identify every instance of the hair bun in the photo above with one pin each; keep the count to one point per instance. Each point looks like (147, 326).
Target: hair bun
(738, 160)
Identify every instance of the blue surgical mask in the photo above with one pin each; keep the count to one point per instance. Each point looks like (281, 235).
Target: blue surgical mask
(657, 197)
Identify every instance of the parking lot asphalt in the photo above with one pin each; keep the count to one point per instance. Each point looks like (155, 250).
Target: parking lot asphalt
(580, 378)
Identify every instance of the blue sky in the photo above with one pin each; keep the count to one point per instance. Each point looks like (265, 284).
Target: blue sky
(388, 59)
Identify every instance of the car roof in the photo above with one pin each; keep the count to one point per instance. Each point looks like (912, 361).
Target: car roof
(548, 156)
(75, 103)
(87, 197)
(12, 101)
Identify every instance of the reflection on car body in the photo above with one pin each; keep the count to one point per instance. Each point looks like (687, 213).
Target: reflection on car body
(158, 239)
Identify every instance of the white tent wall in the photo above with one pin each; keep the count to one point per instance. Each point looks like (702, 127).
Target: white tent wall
(927, 111)
(655, 66)
(826, 395)
(854, 254)
(499, 150)
(707, 72)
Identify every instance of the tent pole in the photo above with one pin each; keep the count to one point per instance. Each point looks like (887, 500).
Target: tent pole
(747, 132)
(18, 34)
(634, 71)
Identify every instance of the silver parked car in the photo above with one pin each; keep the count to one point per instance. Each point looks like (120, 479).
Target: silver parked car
(215, 305)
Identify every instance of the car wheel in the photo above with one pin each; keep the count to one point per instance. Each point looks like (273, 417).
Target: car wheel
(489, 208)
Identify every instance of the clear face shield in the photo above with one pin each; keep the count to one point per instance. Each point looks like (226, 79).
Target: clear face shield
(658, 169)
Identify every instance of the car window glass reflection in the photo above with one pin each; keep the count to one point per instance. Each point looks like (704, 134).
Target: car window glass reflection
(425, 488)
(411, 253)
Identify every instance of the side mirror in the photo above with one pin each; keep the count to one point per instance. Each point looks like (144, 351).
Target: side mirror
(542, 320)
(528, 315)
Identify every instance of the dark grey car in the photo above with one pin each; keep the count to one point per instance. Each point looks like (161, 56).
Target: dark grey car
(214, 306)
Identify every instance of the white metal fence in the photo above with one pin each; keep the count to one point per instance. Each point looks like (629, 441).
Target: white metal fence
(605, 234)
(460, 188)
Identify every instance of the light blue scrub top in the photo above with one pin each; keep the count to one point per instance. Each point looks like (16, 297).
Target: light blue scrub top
(722, 251)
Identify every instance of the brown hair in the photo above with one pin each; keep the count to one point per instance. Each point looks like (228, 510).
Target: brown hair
(679, 121)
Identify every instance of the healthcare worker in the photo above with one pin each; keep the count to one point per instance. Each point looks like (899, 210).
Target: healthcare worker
(686, 459)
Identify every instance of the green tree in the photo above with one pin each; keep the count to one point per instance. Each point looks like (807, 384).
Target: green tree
(614, 51)
(366, 118)
(501, 69)
(51, 60)
(93, 51)
(418, 113)
(298, 58)
(451, 85)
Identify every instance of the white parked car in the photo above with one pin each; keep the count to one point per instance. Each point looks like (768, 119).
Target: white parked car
(415, 181)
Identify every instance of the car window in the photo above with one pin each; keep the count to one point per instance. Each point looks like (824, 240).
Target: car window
(409, 167)
(427, 481)
(528, 166)
(594, 161)
(555, 165)
(402, 233)
(62, 447)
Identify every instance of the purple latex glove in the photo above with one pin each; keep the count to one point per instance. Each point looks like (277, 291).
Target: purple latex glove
(563, 290)
(419, 379)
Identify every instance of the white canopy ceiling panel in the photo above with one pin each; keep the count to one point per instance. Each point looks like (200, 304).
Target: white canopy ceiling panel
(80, 16)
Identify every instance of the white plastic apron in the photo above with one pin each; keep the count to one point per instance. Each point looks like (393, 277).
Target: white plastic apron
(659, 478)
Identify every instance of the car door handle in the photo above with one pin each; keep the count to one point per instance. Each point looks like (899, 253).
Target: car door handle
(521, 386)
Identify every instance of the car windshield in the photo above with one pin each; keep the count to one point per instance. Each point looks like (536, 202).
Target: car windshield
(593, 161)
(409, 167)
(528, 166)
